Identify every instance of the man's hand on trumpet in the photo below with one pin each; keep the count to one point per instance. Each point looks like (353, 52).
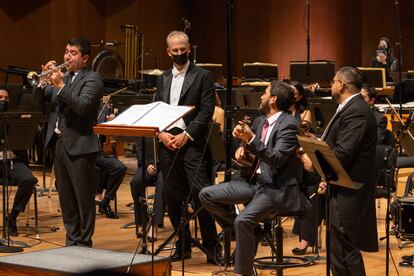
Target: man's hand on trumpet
(56, 77)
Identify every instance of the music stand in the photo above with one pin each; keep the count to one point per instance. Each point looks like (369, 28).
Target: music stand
(330, 169)
(17, 129)
(260, 70)
(216, 70)
(321, 72)
(374, 76)
(322, 110)
(138, 121)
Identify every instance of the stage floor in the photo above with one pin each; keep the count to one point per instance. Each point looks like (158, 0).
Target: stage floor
(109, 235)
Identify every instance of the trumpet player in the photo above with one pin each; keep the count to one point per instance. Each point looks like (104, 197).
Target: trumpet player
(75, 102)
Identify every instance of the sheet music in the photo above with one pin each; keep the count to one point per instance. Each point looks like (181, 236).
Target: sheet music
(157, 114)
(163, 116)
(134, 113)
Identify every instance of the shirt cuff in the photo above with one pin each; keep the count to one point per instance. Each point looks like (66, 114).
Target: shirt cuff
(251, 140)
(188, 135)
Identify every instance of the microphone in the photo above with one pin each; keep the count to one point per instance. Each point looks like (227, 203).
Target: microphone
(187, 23)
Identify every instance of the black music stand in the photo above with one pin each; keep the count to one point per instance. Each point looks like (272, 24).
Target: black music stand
(316, 71)
(376, 77)
(330, 169)
(259, 70)
(17, 129)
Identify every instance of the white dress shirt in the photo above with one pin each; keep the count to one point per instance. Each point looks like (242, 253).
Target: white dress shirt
(175, 92)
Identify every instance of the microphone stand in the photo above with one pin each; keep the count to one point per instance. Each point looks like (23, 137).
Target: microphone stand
(398, 44)
(308, 41)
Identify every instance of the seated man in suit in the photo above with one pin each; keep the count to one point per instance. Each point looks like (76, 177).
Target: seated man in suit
(369, 94)
(20, 175)
(112, 170)
(153, 177)
(274, 185)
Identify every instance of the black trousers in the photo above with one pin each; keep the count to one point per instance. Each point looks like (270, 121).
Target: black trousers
(186, 176)
(219, 199)
(346, 257)
(112, 172)
(22, 177)
(138, 190)
(74, 182)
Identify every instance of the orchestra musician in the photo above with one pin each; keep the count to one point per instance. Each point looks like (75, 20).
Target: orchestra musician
(370, 94)
(75, 99)
(20, 175)
(273, 188)
(184, 155)
(111, 171)
(351, 134)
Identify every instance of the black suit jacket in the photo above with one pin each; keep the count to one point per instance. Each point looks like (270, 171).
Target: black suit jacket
(352, 137)
(77, 106)
(197, 91)
(381, 127)
(281, 170)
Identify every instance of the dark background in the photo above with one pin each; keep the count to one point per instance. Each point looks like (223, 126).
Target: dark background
(346, 31)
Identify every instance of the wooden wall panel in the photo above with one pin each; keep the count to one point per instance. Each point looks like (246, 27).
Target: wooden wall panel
(268, 30)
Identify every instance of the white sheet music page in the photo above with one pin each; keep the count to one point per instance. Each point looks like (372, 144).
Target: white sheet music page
(163, 115)
(157, 114)
(132, 114)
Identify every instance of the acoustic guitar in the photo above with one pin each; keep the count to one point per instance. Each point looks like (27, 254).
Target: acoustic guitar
(248, 163)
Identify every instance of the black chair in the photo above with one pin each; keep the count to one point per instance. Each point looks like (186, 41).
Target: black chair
(383, 151)
(218, 149)
(277, 261)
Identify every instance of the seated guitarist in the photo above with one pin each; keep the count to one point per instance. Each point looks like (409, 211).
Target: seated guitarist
(274, 185)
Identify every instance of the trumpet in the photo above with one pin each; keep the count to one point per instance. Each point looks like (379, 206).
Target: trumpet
(41, 80)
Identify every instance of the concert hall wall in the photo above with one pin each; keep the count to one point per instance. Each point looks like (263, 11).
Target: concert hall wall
(345, 31)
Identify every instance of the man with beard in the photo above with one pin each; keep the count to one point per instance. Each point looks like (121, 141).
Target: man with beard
(274, 185)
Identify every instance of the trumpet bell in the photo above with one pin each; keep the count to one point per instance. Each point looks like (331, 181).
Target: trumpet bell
(33, 78)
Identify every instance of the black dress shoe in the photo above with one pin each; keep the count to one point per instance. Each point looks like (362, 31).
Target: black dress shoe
(11, 223)
(178, 256)
(299, 251)
(105, 208)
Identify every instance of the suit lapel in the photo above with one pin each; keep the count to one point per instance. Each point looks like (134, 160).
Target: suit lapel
(188, 80)
(167, 79)
(81, 74)
(337, 116)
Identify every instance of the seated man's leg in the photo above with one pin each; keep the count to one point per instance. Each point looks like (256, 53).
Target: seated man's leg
(23, 177)
(255, 211)
(219, 200)
(137, 191)
(116, 172)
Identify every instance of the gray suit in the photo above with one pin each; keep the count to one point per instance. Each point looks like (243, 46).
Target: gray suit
(276, 189)
(76, 108)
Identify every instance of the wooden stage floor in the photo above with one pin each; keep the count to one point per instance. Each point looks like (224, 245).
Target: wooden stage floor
(109, 235)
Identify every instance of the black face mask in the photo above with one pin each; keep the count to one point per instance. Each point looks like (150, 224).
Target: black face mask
(180, 59)
(4, 105)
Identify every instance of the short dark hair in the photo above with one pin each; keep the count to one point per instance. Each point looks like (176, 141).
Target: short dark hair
(284, 94)
(371, 92)
(352, 76)
(84, 45)
(302, 104)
